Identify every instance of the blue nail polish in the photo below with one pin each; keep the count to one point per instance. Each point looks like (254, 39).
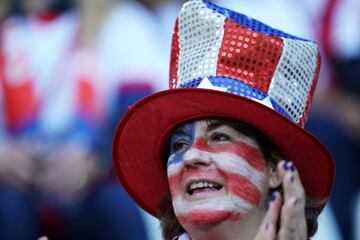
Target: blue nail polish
(273, 197)
(285, 165)
(292, 167)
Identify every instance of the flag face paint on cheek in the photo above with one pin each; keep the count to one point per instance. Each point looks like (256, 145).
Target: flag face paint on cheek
(235, 167)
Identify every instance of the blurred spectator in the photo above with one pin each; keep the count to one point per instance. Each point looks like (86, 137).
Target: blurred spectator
(17, 217)
(164, 13)
(63, 75)
(336, 114)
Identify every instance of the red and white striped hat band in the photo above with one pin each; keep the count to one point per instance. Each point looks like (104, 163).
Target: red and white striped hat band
(219, 49)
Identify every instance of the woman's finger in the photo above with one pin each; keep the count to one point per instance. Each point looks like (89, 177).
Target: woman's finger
(267, 230)
(291, 182)
(293, 223)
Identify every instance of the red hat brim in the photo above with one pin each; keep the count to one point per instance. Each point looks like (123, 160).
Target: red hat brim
(139, 138)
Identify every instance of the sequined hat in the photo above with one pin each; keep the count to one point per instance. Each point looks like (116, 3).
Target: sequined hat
(226, 64)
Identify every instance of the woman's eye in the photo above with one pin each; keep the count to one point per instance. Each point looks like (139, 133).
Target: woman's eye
(219, 137)
(180, 146)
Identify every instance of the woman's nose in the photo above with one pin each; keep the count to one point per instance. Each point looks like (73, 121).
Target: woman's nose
(196, 158)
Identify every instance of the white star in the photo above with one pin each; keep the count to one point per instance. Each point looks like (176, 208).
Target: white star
(206, 84)
(266, 101)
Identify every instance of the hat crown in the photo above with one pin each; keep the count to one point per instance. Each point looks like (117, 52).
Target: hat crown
(217, 48)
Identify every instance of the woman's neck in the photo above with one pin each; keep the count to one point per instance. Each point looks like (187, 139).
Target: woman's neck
(243, 229)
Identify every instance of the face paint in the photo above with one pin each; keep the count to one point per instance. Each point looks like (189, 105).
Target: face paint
(207, 217)
(214, 174)
(186, 134)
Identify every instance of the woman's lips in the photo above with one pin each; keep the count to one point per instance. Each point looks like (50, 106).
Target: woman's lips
(202, 186)
(195, 181)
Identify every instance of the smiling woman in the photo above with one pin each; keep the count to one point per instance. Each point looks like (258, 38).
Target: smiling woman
(222, 170)
(219, 173)
(207, 157)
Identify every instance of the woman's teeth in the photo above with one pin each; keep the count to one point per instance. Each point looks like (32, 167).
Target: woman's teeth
(203, 185)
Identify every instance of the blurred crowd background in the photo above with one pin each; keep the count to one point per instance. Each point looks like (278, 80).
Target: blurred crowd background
(69, 69)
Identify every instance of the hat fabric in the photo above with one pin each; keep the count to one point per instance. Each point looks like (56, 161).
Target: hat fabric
(225, 64)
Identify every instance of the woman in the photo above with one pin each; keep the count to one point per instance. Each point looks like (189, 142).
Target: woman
(206, 157)
(222, 170)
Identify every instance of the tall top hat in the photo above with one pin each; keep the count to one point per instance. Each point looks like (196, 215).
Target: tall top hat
(226, 64)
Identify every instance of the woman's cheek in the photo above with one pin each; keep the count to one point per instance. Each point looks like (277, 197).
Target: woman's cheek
(175, 185)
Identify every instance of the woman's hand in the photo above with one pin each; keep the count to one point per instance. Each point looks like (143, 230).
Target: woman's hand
(289, 212)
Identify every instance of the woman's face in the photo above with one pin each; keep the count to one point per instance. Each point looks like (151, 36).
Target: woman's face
(215, 172)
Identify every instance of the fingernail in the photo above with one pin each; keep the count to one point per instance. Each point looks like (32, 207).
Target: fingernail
(295, 202)
(273, 197)
(285, 165)
(292, 167)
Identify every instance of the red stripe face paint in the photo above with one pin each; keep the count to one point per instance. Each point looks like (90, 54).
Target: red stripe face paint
(215, 173)
(207, 217)
(243, 187)
(236, 184)
(249, 153)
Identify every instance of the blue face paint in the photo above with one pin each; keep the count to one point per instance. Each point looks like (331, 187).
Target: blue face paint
(186, 133)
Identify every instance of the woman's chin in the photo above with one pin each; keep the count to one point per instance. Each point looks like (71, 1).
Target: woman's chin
(203, 218)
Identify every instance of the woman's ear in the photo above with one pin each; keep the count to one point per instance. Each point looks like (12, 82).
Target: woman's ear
(274, 177)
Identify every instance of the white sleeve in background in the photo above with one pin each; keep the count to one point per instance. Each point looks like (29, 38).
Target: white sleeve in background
(152, 226)
(328, 228)
(357, 218)
(345, 37)
(131, 46)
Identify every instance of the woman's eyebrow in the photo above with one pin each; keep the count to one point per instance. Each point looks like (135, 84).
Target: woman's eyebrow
(179, 131)
(214, 124)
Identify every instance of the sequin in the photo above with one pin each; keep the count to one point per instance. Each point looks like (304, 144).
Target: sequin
(236, 87)
(174, 59)
(245, 56)
(293, 77)
(250, 23)
(202, 40)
